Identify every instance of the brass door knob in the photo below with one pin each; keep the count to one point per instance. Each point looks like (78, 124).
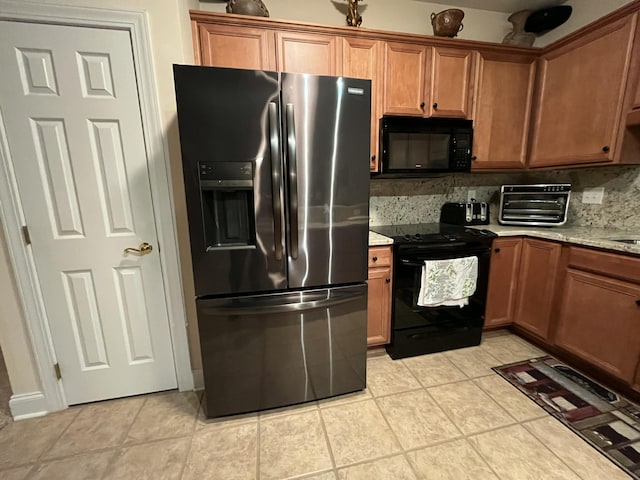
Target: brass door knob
(143, 249)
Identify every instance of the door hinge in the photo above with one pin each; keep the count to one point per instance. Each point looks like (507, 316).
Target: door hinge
(56, 367)
(26, 235)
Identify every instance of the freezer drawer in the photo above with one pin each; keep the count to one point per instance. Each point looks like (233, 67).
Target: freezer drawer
(267, 351)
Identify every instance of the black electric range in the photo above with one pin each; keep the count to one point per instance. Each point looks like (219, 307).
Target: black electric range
(416, 330)
(433, 233)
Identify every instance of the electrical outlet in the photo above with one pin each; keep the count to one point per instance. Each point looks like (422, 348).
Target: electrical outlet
(471, 195)
(593, 195)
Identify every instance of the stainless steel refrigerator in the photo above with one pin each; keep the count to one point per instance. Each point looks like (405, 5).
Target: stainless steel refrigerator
(276, 175)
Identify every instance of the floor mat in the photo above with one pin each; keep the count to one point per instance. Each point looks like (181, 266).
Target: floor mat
(607, 421)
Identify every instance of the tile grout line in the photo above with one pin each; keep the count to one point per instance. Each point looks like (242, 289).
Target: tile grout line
(193, 433)
(258, 431)
(326, 438)
(119, 447)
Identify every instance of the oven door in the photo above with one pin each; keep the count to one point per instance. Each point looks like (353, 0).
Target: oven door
(408, 277)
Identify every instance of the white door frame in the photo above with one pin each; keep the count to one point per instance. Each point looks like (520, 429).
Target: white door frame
(12, 216)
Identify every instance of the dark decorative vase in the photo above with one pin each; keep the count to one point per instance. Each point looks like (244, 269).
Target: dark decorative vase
(447, 23)
(248, 7)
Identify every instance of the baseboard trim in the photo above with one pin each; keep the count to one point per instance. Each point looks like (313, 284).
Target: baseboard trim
(28, 405)
(198, 379)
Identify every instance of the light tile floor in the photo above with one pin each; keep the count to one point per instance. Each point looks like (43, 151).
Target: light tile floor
(444, 416)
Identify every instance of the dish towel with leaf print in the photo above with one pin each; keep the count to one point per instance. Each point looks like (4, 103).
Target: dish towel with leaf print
(448, 282)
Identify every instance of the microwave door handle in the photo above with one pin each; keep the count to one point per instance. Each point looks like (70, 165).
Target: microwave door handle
(293, 179)
(276, 173)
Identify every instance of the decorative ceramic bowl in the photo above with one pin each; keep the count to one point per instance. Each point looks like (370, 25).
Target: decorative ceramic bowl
(447, 23)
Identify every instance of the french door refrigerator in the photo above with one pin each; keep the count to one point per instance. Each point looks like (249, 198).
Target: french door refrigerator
(276, 175)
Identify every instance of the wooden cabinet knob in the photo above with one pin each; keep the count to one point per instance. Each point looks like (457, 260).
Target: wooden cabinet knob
(435, 106)
(497, 250)
(388, 280)
(374, 259)
(606, 148)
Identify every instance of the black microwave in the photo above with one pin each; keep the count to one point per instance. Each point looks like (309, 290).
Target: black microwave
(412, 146)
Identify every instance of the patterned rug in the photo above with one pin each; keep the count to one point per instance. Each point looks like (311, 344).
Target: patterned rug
(607, 421)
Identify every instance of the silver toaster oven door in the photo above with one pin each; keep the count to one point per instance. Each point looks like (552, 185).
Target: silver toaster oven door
(534, 205)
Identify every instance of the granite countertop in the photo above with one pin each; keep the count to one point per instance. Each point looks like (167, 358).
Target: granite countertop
(376, 240)
(587, 236)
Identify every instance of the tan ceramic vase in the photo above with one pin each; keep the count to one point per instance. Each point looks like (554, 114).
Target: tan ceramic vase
(447, 23)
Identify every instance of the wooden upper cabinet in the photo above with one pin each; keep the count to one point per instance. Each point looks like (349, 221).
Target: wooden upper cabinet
(236, 47)
(362, 58)
(580, 100)
(502, 110)
(312, 53)
(451, 83)
(538, 272)
(405, 75)
(503, 281)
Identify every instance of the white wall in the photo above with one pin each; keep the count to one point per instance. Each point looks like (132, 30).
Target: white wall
(393, 15)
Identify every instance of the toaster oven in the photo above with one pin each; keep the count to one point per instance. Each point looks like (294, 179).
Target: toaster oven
(535, 205)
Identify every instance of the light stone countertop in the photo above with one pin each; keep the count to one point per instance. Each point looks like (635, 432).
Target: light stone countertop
(376, 240)
(587, 236)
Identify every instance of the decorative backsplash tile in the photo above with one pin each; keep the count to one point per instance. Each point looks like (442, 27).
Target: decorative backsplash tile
(398, 201)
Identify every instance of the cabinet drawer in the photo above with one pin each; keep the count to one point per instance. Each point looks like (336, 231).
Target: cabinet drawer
(379, 256)
(614, 265)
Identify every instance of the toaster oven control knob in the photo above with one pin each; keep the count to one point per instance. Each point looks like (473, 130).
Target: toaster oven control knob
(435, 106)
(606, 148)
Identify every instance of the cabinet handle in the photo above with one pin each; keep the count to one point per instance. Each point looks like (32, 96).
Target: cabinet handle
(606, 148)
(422, 105)
(435, 106)
(638, 302)
(388, 280)
(497, 250)
(373, 158)
(474, 158)
(374, 259)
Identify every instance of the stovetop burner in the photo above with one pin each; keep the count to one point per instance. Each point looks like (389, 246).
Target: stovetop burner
(428, 233)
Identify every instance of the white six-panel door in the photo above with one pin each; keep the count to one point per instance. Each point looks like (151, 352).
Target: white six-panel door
(70, 106)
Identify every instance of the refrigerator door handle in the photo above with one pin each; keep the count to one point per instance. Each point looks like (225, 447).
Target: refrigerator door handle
(276, 174)
(293, 179)
(249, 306)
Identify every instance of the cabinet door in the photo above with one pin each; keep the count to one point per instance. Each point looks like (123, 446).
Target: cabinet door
(502, 111)
(379, 306)
(451, 83)
(237, 47)
(405, 76)
(503, 281)
(361, 58)
(580, 102)
(379, 296)
(538, 272)
(308, 53)
(599, 321)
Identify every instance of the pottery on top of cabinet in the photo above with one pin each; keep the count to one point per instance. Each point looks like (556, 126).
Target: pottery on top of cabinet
(447, 23)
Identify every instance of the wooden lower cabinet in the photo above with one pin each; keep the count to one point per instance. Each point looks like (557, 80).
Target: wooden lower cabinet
(379, 296)
(599, 321)
(503, 281)
(539, 265)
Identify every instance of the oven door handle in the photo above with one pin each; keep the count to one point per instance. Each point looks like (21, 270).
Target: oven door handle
(418, 260)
